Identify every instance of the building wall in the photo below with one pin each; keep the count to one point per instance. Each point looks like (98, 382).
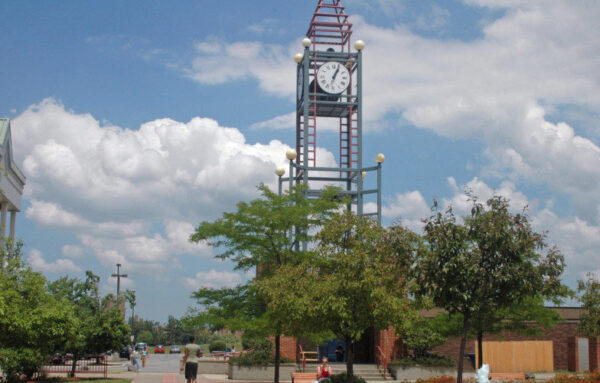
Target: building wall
(288, 347)
(559, 335)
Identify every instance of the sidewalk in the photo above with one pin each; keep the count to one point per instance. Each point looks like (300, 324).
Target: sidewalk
(156, 377)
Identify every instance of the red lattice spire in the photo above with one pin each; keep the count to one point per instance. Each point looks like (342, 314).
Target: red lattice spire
(330, 25)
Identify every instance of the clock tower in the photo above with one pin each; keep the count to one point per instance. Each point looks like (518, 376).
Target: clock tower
(329, 94)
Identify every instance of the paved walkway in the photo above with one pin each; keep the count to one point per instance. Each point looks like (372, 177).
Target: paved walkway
(158, 377)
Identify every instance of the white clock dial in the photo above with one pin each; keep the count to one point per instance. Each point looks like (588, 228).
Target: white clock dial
(300, 88)
(333, 77)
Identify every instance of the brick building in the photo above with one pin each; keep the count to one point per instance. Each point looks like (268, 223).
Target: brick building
(571, 350)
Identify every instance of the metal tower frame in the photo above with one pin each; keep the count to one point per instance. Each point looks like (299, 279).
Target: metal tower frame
(328, 40)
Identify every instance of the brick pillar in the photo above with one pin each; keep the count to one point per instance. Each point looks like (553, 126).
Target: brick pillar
(594, 354)
(288, 347)
(573, 354)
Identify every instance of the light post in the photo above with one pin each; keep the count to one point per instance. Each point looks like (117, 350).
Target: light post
(379, 159)
(280, 172)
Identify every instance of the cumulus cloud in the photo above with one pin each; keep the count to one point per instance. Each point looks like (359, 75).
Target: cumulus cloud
(498, 88)
(62, 265)
(577, 238)
(213, 279)
(134, 197)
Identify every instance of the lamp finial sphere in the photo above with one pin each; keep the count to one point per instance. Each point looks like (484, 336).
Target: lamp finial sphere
(280, 171)
(306, 43)
(359, 45)
(298, 58)
(380, 158)
(291, 154)
(364, 175)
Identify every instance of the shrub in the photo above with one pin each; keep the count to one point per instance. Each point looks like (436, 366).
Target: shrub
(20, 361)
(260, 355)
(588, 377)
(343, 378)
(430, 360)
(217, 345)
(438, 379)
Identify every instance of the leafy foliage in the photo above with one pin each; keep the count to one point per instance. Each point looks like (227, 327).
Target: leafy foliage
(100, 323)
(217, 345)
(355, 281)
(264, 234)
(33, 323)
(589, 323)
(261, 354)
(492, 261)
(345, 378)
(429, 360)
(419, 334)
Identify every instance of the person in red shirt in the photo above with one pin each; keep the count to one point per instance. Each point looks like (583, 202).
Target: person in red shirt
(324, 370)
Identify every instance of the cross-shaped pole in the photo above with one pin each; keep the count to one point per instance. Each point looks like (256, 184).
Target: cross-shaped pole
(118, 275)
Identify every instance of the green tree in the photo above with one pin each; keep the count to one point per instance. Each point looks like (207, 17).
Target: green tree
(487, 264)
(33, 323)
(355, 281)
(259, 236)
(146, 337)
(129, 296)
(589, 323)
(100, 328)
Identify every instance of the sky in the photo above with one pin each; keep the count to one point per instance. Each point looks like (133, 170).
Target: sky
(135, 121)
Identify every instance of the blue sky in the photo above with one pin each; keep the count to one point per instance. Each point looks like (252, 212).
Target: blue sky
(135, 121)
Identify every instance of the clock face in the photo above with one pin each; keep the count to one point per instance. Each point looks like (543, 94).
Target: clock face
(333, 77)
(300, 88)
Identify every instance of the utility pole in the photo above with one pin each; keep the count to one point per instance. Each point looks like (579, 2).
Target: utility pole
(118, 275)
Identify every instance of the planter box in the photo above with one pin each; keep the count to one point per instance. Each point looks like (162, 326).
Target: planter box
(265, 373)
(213, 367)
(418, 372)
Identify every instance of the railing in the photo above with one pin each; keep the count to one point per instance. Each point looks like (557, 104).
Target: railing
(304, 359)
(88, 364)
(382, 360)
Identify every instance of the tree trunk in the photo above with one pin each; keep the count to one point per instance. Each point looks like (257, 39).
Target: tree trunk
(349, 358)
(479, 348)
(73, 365)
(461, 354)
(277, 357)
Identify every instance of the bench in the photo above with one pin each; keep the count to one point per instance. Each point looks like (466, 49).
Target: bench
(507, 376)
(304, 377)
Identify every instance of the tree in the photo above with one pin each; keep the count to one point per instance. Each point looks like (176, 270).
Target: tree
(129, 296)
(589, 323)
(33, 323)
(100, 328)
(259, 235)
(357, 280)
(489, 263)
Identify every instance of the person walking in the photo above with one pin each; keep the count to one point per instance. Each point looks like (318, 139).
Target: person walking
(144, 356)
(190, 361)
(134, 359)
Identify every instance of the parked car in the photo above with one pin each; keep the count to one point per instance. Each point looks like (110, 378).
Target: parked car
(174, 349)
(124, 353)
(140, 345)
(159, 349)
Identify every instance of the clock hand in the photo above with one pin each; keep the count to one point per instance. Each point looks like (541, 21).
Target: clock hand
(335, 73)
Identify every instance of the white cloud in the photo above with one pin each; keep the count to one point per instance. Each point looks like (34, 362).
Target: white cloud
(577, 238)
(38, 263)
(288, 122)
(72, 251)
(218, 62)
(114, 187)
(213, 279)
(498, 88)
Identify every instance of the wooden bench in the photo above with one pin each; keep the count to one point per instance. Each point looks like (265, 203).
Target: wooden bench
(507, 376)
(304, 377)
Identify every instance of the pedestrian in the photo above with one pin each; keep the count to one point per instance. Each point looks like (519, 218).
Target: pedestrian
(339, 353)
(134, 359)
(190, 361)
(144, 356)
